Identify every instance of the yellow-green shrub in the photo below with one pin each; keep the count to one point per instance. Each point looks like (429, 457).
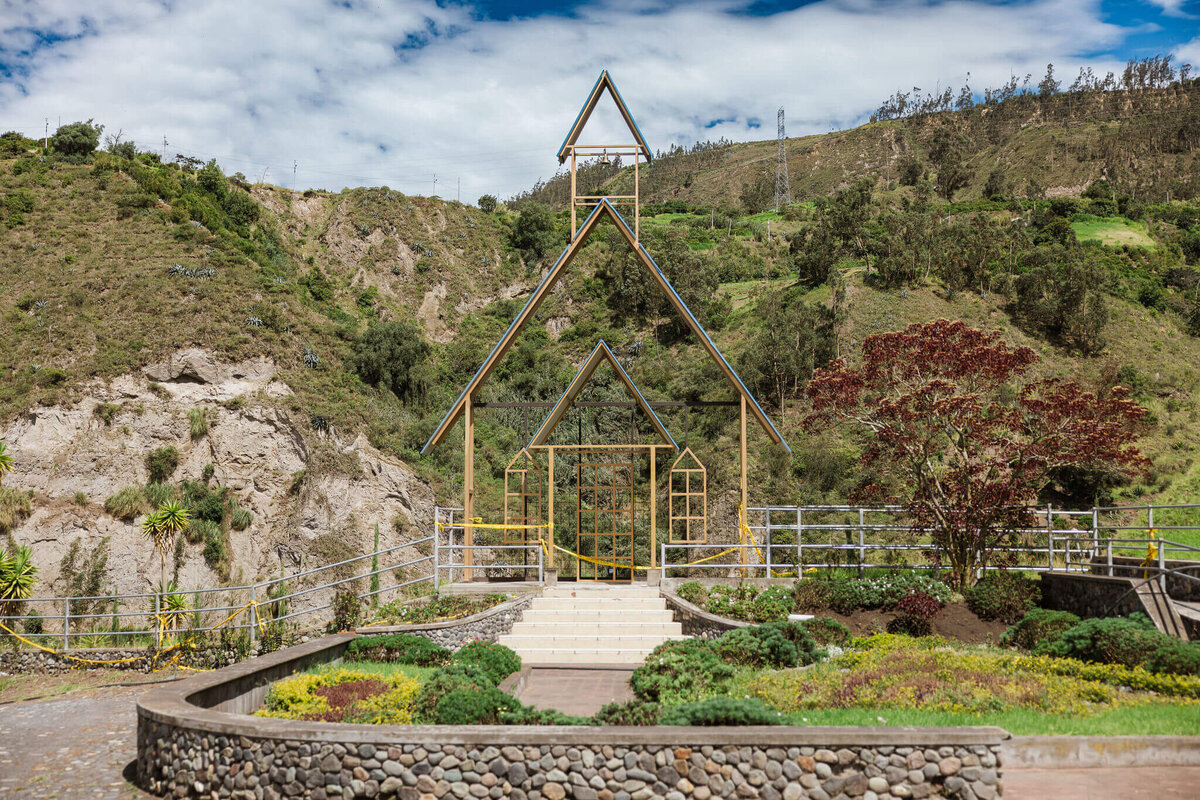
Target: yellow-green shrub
(296, 698)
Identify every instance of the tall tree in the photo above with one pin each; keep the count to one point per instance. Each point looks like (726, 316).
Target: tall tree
(947, 411)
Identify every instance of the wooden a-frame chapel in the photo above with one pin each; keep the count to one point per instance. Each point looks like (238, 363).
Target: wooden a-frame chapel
(606, 519)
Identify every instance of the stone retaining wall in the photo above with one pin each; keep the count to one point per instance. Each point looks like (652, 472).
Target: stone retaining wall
(488, 625)
(196, 740)
(1089, 595)
(1178, 587)
(695, 620)
(36, 662)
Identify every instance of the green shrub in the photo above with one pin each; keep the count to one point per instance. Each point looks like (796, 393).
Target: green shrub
(1037, 626)
(1005, 596)
(916, 611)
(847, 595)
(161, 463)
(756, 647)
(127, 504)
(731, 601)
(773, 603)
(197, 422)
(445, 680)
(202, 530)
(634, 712)
(33, 624)
(392, 355)
(240, 519)
(1128, 641)
(827, 630)
(157, 493)
(399, 648)
(347, 610)
(1175, 657)
(722, 711)
(215, 551)
(496, 660)
(478, 706)
(694, 592)
(680, 671)
(528, 715)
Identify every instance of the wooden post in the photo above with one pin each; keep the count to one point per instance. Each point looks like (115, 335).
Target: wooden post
(637, 206)
(653, 508)
(745, 555)
(550, 510)
(573, 192)
(468, 489)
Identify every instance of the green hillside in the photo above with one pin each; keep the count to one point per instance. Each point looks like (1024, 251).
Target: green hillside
(116, 262)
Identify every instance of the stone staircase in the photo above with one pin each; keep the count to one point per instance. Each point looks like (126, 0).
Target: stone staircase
(594, 624)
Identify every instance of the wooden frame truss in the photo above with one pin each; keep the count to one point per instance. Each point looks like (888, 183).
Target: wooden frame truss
(522, 498)
(687, 506)
(607, 502)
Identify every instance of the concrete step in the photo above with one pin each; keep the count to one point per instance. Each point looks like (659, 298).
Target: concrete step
(598, 604)
(602, 590)
(583, 655)
(523, 643)
(589, 628)
(566, 616)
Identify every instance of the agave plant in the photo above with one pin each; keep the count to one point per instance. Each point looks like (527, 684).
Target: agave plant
(161, 527)
(174, 605)
(18, 574)
(6, 461)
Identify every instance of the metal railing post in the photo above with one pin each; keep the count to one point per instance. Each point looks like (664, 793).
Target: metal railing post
(436, 548)
(1050, 549)
(541, 571)
(799, 543)
(662, 562)
(253, 615)
(158, 621)
(66, 623)
(862, 551)
(767, 538)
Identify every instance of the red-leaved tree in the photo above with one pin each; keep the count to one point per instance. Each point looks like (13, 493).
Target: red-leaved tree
(971, 441)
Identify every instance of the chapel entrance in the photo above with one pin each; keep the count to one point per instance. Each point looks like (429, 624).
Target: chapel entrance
(604, 518)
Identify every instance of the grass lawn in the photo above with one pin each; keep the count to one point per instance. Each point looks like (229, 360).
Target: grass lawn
(1147, 720)
(1113, 231)
(376, 668)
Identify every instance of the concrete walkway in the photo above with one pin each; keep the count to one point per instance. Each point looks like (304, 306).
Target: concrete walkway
(71, 747)
(579, 692)
(1103, 783)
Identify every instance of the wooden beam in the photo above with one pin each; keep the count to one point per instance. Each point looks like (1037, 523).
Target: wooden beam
(599, 353)
(543, 290)
(469, 491)
(745, 556)
(653, 508)
(550, 506)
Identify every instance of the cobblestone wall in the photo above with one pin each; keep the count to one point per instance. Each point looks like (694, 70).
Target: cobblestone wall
(695, 620)
(184, 763)
(139, 659)
(486, 626)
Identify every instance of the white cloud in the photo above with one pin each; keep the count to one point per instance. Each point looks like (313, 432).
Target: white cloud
(1170, 8)
(259, 84)
(1189, 54)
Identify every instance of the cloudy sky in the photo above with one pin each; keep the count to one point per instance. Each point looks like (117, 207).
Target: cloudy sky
(396, 92)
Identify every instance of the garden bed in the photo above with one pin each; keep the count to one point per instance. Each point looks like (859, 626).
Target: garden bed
(956, 621)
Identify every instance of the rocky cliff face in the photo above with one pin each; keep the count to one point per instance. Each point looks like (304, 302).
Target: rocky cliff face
(314, 497)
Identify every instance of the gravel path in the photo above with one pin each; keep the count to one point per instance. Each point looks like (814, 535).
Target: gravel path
(76, 746)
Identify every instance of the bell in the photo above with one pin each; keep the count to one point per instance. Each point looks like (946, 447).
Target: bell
(604, 159)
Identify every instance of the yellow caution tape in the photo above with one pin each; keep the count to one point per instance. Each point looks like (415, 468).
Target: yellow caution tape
(1151, 553)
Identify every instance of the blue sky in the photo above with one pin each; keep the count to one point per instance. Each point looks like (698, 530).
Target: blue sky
(479, 94)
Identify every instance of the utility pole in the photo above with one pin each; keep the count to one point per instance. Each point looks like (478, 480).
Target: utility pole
(435, 184)
(164, 152)
(783, 187)
(460, 190)
(46, 136)
(293, 176)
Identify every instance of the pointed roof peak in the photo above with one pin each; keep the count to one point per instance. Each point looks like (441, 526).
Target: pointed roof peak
(600, 352)
(604, 82)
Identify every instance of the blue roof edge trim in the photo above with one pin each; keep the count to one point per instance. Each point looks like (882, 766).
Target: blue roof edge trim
(595, 86)
(617, 365)
(616, 93)
(507, 331)
(637, 129)
(621, 221)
